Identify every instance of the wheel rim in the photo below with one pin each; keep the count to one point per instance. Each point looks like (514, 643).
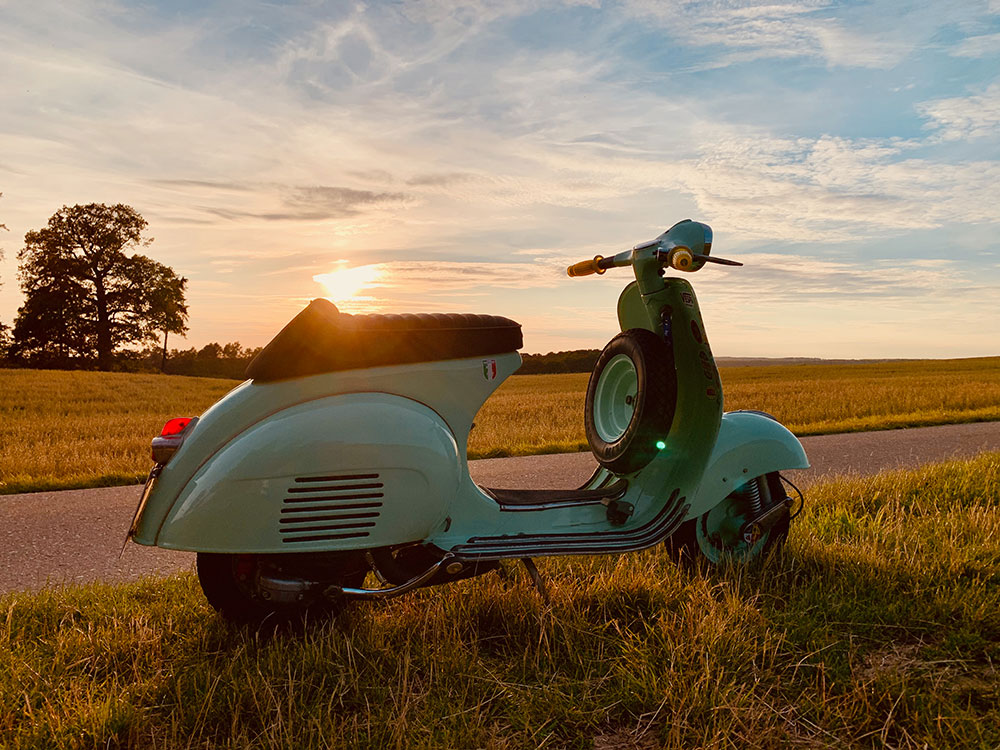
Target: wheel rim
(718, 532)
(615, 397)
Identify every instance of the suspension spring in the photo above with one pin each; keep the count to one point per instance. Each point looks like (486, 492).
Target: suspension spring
(753, 494)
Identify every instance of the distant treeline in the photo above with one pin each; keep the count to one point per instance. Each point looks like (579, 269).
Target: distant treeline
(583, 360)
(578, 360)
(210, 361)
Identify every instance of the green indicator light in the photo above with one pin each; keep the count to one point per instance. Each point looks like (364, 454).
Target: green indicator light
(660, 445)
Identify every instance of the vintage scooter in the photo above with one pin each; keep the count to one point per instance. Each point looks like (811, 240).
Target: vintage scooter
(344, 454)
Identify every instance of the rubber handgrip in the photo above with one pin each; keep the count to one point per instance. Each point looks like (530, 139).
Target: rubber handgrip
(586, 267)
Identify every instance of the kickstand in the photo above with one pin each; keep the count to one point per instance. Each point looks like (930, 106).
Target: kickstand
(502, 573)
(536, 578)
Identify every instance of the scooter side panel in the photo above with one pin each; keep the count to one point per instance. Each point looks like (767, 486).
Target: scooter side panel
(749, 445)
(344, 472)
(455, 389)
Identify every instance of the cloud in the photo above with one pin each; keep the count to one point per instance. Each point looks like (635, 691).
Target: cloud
(770, 277)
(775, 30)
(836, 189)
(211, 185)
(979, 46)
(322, 201)
(976, 116)
(445, 179)
(315, 203)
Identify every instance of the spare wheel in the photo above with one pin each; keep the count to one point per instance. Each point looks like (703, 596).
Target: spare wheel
(631, 399)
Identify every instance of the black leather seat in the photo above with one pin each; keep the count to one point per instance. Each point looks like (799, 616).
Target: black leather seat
(322, 339)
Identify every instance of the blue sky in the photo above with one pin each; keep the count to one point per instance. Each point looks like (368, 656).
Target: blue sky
(465, 152)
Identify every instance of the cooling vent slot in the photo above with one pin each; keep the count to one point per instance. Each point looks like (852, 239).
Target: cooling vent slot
(319, 509)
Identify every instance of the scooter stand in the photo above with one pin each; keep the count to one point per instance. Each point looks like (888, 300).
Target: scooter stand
(536, 578)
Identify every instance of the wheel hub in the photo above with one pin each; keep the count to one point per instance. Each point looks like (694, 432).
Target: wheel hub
(614, 401)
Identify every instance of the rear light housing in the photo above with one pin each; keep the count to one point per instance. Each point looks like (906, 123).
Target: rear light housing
(170, 438)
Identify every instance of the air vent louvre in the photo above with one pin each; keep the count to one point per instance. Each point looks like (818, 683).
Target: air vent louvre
(327, 508)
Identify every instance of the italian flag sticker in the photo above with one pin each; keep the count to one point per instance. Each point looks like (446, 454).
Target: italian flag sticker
(490, 369)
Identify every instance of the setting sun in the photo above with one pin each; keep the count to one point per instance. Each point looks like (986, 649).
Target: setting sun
(343, 284)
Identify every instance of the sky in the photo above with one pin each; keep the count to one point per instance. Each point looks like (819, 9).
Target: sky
(456, 156)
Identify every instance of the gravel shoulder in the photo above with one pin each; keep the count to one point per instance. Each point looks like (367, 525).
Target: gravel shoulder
(75, 536)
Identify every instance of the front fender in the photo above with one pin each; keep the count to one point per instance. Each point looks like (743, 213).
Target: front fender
(749, 444)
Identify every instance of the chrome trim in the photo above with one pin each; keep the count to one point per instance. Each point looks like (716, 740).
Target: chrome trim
(582, 543)
(549, 506)
(334, 590)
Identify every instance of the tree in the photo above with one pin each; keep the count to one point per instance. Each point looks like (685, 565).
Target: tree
(84, 295)
(162, 300)
(4, 329)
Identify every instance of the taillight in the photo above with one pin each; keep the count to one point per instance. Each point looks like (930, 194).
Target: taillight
(175, 426)
(170, 438)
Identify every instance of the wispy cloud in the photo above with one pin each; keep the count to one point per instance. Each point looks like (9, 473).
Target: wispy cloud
(975, 116)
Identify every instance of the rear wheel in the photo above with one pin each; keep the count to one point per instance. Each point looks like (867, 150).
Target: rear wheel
(715, 538)
(257, 589)
(631, 399)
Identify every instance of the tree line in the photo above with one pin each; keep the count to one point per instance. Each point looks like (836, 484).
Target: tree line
(578, 360)
(90, 300)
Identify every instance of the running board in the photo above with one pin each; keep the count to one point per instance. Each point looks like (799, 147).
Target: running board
(590, 543)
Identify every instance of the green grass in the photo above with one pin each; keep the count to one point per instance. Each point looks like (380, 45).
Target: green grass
(62, 430)
(877, 626)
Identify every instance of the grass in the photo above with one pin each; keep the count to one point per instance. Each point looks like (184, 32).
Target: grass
(63, 430)
(877, 626)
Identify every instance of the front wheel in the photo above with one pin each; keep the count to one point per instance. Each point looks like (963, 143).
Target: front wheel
(714, 537)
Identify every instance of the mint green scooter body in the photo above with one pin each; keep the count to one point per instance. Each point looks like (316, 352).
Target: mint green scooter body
(749, 444)
(376, 457)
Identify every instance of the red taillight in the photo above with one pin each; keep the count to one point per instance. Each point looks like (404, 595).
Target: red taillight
(170, 438)
(175, 426)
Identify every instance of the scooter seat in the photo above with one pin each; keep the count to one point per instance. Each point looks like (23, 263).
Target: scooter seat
(322, 339)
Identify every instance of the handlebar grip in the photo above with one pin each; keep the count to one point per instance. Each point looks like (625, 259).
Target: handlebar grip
(586, 267)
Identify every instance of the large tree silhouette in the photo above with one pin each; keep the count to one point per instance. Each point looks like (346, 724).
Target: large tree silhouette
(4, 329)
(85, 296)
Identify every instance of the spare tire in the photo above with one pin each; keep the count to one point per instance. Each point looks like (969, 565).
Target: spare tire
(631, 400)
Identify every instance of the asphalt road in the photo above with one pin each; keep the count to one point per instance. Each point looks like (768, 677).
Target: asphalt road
(74, 536)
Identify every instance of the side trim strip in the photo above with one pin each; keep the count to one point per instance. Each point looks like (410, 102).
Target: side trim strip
(595, 542)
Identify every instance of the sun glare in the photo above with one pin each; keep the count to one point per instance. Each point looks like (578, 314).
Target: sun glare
(343, 284)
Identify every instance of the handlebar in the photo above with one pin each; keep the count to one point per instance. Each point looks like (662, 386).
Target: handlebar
(680, 258)
(683, 247)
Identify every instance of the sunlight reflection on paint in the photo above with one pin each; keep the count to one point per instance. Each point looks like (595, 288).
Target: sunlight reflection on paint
(343, 284)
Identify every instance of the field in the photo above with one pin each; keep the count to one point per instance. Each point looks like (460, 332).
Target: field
(878, 625)
(85, 429)
(808, 399)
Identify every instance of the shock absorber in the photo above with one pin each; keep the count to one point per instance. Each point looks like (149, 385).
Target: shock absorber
(752, 491)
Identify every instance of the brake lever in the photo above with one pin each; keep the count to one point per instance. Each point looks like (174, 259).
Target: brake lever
(712, 259)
